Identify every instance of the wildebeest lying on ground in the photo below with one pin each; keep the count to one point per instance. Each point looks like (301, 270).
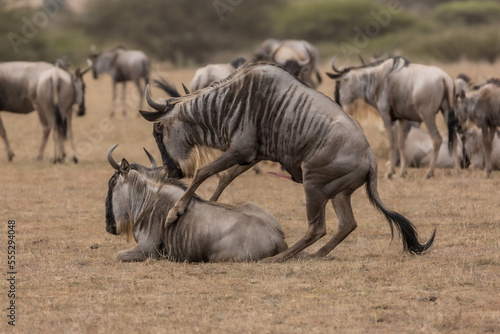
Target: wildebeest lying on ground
(122, 65)
(139, 199)
(51, 91)
(418, 149)
(481, 105)
(470, 153)
(402, 91)
(262, 112)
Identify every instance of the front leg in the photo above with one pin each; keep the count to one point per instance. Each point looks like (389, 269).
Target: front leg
(224, 161)
(226, 179)
(488, 134)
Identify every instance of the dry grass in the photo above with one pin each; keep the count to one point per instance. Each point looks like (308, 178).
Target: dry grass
(69, 280)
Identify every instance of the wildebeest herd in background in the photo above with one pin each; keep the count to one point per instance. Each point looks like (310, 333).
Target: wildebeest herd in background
(242, 112)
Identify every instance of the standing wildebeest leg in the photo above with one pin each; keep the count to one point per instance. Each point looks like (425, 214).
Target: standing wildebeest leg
(386, 118)
(402, 134)
(141, 94)
(124, 97)
(436, 144)
(3, 134)
(70, 136)
(488, 134)
(46, 127)
(226, 179)
(316, 229)
(113, 99)
(347, 223)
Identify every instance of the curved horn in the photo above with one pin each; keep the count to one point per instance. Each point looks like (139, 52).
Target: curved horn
(151, 159)
(271, 58)
(361, 59)
(334, 68)
(154, 104)
(309, 60)
(111, 160)
(186, 90)
(88, 68)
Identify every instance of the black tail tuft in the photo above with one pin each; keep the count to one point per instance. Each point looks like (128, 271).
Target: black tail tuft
(406, 229)
(452, 123)
(61, 124)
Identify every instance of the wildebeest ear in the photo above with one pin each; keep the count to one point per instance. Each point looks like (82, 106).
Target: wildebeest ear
(158, 127)
(124, 167)
(152, 116)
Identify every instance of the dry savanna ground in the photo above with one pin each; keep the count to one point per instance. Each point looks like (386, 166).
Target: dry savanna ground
(69, 281)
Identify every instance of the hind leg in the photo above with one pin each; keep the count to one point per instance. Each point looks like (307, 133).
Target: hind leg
(315, 205)
(124, 98)
(347, 223)
(141, 95)
(3, 134)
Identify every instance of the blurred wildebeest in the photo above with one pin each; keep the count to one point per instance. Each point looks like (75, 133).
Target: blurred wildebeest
(123, 65)
(299, 57)
(462, 85)
(402, 91)
(473, 147)
(52, 91)
(262, 112)
(481, 106)
(204, 76)
(139, 199)
(418, 149)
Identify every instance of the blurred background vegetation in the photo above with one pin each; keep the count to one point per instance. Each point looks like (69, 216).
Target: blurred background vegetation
(191, 32)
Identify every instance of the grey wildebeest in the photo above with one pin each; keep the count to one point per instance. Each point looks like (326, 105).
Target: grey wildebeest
(263, 112)
(481, 105)
(299, 57)
(473, 148)
(52, 91)
(139, 198)
(402, 91)
(204, 76)
(122, 65)
(418, 149)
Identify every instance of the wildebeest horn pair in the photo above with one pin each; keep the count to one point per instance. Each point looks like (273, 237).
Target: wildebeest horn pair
(116, 165)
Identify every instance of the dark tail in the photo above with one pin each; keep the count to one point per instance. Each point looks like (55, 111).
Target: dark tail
(452, 124)
(61, 124)
(168, 88)
(404, 226)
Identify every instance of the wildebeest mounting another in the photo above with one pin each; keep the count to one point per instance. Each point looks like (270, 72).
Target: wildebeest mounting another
(262, 112)
(139, 198)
